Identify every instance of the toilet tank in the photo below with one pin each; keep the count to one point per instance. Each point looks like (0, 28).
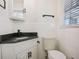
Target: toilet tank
(50, 43)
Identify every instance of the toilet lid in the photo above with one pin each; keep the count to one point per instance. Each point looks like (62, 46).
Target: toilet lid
(54, 54)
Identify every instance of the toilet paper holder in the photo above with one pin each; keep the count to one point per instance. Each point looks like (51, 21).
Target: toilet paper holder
(48, 15)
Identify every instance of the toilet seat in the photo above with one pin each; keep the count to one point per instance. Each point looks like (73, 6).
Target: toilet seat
(54, 54)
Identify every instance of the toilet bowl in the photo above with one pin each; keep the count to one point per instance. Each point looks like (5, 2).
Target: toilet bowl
(54, 54)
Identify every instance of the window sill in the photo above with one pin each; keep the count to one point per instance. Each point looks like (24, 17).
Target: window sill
(72, 26)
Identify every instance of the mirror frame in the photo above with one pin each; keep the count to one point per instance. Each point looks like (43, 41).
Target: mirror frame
(4, 5)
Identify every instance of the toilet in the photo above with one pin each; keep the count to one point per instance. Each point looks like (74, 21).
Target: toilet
(51, 52)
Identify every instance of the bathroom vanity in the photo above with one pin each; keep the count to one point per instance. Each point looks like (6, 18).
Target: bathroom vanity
(24, 47)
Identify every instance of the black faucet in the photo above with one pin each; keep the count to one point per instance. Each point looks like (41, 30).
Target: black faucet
(18, 33)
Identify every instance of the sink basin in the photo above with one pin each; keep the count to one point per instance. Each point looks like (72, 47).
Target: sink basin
(20, 38)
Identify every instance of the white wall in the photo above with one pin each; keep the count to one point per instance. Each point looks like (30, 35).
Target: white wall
(68, 37)
(5, 23)
(47, 24)
(34, 20)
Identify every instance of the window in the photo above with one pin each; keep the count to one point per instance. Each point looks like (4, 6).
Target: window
(71, 10)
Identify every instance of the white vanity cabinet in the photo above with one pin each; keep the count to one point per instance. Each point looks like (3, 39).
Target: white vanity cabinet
(20, 50)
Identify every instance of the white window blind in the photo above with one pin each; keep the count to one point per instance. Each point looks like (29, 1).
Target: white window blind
(71, 10)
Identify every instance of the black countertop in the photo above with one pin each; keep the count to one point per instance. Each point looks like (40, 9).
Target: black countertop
(15, 38)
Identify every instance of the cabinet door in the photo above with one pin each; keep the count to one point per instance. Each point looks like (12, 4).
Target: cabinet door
(41, 54)
(22, 55)
(33, 51)
(8, 52)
